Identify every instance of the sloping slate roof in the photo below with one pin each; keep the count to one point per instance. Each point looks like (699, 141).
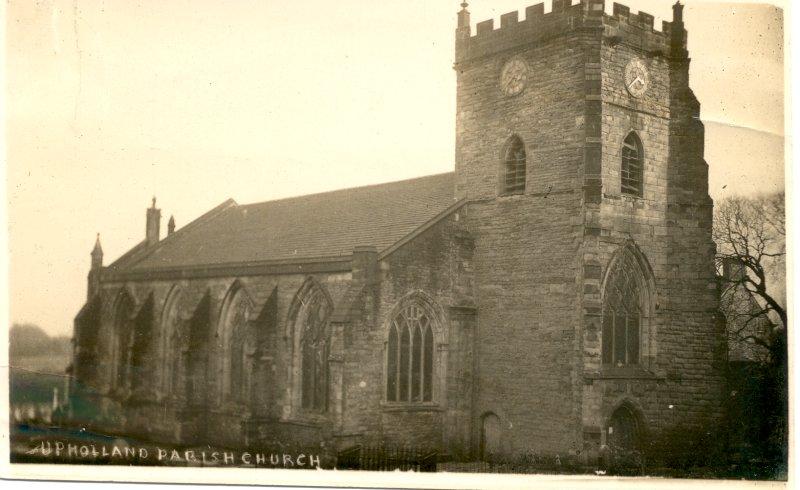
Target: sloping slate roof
(315, 226)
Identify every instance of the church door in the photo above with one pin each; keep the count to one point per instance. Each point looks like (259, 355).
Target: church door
(490, 436)
(623, 431)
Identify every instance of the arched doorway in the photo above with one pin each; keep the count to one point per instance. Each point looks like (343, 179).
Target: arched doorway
(490, 436)
(624, 430)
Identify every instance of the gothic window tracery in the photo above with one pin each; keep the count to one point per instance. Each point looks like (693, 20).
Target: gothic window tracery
(623, 313)
(171, 347)
(237, 349)
(314, 353)
(409, 357)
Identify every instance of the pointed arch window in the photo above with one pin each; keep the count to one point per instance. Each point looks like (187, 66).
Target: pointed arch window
(239, 381)
(120, 349)
(622, 313)
(236, 348)
(310, 346)
(514, 166)
(632, 170)
(409, 357)
(171, 352)
(314, 353)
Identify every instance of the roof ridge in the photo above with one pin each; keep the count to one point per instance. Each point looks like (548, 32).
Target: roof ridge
(360, 187)
(327, 224)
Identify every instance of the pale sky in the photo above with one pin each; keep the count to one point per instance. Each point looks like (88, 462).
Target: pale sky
(112, 102)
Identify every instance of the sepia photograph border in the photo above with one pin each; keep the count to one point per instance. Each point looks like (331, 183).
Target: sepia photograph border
(398, 479)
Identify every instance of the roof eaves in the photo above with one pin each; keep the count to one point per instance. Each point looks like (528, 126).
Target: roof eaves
(338, 263)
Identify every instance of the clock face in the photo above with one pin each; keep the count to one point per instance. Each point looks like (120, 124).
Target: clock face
(513, 77)
(637, 79)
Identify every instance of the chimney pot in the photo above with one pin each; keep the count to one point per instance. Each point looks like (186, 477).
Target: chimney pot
(153, 229)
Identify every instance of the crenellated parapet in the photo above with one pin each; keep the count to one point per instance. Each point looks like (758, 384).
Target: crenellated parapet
(623, 26)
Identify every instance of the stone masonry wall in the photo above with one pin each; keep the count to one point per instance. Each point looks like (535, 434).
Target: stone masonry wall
(526, 254)
(158, 416)
(670, 226)
(435, 266)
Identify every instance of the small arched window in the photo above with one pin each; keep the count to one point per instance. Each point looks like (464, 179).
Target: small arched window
(622, 313)
(514, 163)
(409, 360)
(632, 170)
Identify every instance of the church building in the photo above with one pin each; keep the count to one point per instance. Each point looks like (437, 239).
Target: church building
(555, 293)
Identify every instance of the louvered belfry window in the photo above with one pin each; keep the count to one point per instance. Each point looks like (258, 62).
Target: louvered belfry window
(632, 171)
(409, 366)
(514, 159)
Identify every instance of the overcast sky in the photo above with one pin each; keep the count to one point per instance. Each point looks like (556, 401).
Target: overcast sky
(195, 101)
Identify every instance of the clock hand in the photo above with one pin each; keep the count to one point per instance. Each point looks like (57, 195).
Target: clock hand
(637, 79)
(512, 80)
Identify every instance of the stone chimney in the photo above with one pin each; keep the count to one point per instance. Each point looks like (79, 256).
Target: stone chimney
(153, 230)
(171, 225)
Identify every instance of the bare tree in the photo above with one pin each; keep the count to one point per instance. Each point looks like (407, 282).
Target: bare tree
(750, 234)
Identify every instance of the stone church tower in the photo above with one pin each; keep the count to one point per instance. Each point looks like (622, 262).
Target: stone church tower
(554, 294)
(580, 148)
